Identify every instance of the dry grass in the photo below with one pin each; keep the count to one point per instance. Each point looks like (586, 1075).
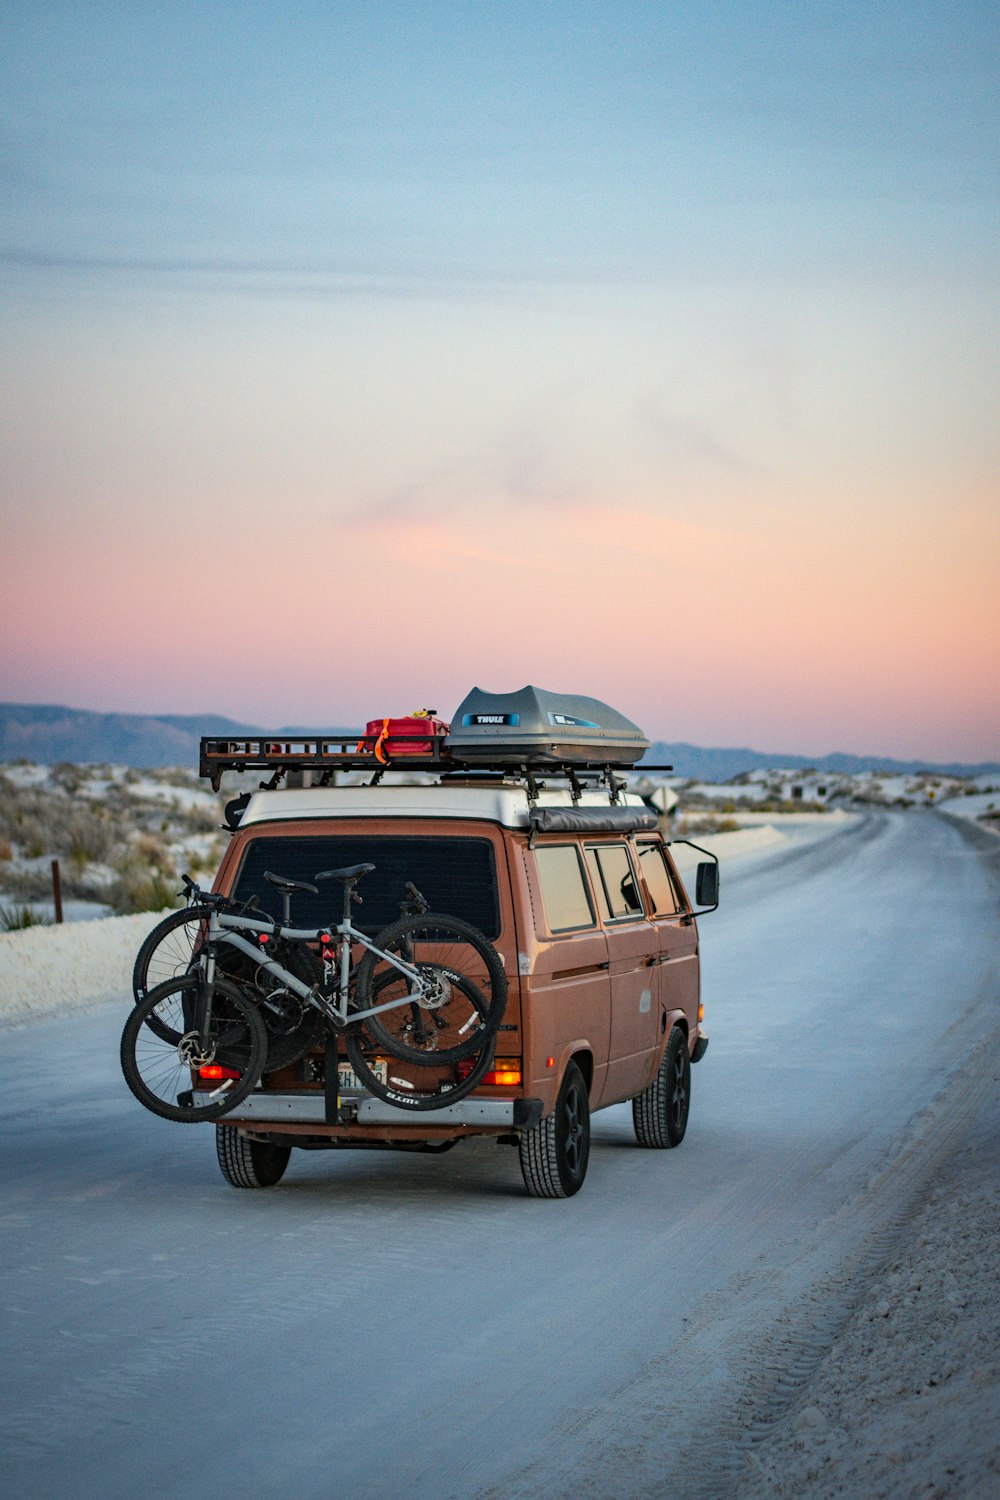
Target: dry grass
(117, 842)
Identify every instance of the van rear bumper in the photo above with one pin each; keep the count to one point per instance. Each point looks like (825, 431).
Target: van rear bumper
(364, 1109)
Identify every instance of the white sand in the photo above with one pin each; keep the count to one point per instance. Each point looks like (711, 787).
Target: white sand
(907, 1402)
(44, 970)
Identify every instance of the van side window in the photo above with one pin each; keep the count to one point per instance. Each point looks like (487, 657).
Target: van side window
(614, 881)
(564, 892)
(658, 880)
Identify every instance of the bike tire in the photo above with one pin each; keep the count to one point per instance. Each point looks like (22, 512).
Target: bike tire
(159, 1072)
(406, 1094)
(469, 995)
(170, 950)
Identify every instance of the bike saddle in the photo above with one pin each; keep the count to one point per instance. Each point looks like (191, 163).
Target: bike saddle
(352, 872)
(284, 884)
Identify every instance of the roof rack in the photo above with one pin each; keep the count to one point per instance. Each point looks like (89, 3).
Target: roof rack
(327, 753)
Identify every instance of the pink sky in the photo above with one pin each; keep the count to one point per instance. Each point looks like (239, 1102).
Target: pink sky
(655, 362)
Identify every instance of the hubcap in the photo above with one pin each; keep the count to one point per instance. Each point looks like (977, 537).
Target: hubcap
(679, 1095)
(575, 1130)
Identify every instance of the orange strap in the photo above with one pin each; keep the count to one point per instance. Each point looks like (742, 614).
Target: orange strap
(380, 754)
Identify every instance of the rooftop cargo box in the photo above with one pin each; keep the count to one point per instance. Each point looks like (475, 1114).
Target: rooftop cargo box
(534, 725)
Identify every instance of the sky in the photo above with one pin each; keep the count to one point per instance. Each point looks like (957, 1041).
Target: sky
(355, 355)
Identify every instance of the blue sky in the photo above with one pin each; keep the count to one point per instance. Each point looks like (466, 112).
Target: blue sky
(471, 290)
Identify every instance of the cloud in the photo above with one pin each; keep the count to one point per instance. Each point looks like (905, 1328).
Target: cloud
(526, 465)
(685, 442)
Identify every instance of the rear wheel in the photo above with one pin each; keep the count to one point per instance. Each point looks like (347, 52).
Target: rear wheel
(249, 1164)
(169, 952)
(555, 1152)
(452, 1008)
(660, 1112)
(185, 1069)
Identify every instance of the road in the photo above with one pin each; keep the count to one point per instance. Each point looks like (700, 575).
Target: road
(385, 1324)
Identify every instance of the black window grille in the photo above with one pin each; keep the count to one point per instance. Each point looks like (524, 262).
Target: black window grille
(456, 875)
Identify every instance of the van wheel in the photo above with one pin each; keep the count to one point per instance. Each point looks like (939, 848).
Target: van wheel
(554, 1152)
(660, 1113)
(249, 1164)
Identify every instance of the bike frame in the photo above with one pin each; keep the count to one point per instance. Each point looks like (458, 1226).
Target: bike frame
(224, 928)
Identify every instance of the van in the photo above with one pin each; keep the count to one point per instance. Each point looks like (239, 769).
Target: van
(570, 879)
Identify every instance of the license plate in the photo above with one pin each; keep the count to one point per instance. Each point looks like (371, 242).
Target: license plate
(349, 1082)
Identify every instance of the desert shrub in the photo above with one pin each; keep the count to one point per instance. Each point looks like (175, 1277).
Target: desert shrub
(88, 834)
(146, 879)
(68, 777)
(6, 852)
(149, 850)
(15, 918)
(141, 889)
(28, 885)
(202, 819)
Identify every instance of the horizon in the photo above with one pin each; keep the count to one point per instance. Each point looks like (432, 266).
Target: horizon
(303, 726)
(651, 353)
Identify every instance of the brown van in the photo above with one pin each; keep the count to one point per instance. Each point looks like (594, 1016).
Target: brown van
(576, 889)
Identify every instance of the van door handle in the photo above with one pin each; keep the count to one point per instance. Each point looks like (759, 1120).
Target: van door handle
(578, 973)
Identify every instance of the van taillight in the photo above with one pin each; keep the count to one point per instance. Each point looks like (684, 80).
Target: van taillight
(507, 1075)
(216, 1070)
(505, 1072)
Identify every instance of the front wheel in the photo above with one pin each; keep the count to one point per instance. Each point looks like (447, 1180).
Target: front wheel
(555, 1152)
(660, 1112)
(185, 1068)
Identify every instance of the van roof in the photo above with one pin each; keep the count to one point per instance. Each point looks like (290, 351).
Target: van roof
(507, 805)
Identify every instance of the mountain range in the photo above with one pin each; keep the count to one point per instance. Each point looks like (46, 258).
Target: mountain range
(47, 734)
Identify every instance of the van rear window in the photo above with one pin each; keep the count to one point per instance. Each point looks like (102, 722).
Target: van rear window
(457, 876)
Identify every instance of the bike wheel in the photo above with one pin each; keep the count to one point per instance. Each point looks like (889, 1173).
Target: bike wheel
(169, 952)
(431, 1086)
(206, 1070)
(459, 1008)
(172, 950)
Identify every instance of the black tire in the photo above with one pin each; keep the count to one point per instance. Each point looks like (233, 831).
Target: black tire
(169, 952)
(555, 1152)
(468, 990)
(660, 1112)
(435, 1085)
(249, 1164)
(172, 950)
(159, 1071)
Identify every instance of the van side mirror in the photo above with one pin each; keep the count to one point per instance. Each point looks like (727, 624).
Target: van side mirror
(707, 884)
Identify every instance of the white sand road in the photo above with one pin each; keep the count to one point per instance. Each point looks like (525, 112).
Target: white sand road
(699, 1322)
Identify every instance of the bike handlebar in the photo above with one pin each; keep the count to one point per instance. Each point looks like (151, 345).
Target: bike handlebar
(195, 894)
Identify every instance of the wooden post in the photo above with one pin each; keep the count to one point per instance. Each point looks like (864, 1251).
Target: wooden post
(57, 890)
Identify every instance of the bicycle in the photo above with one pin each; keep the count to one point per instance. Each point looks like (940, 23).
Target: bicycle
(430, 991)
(173, 949)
